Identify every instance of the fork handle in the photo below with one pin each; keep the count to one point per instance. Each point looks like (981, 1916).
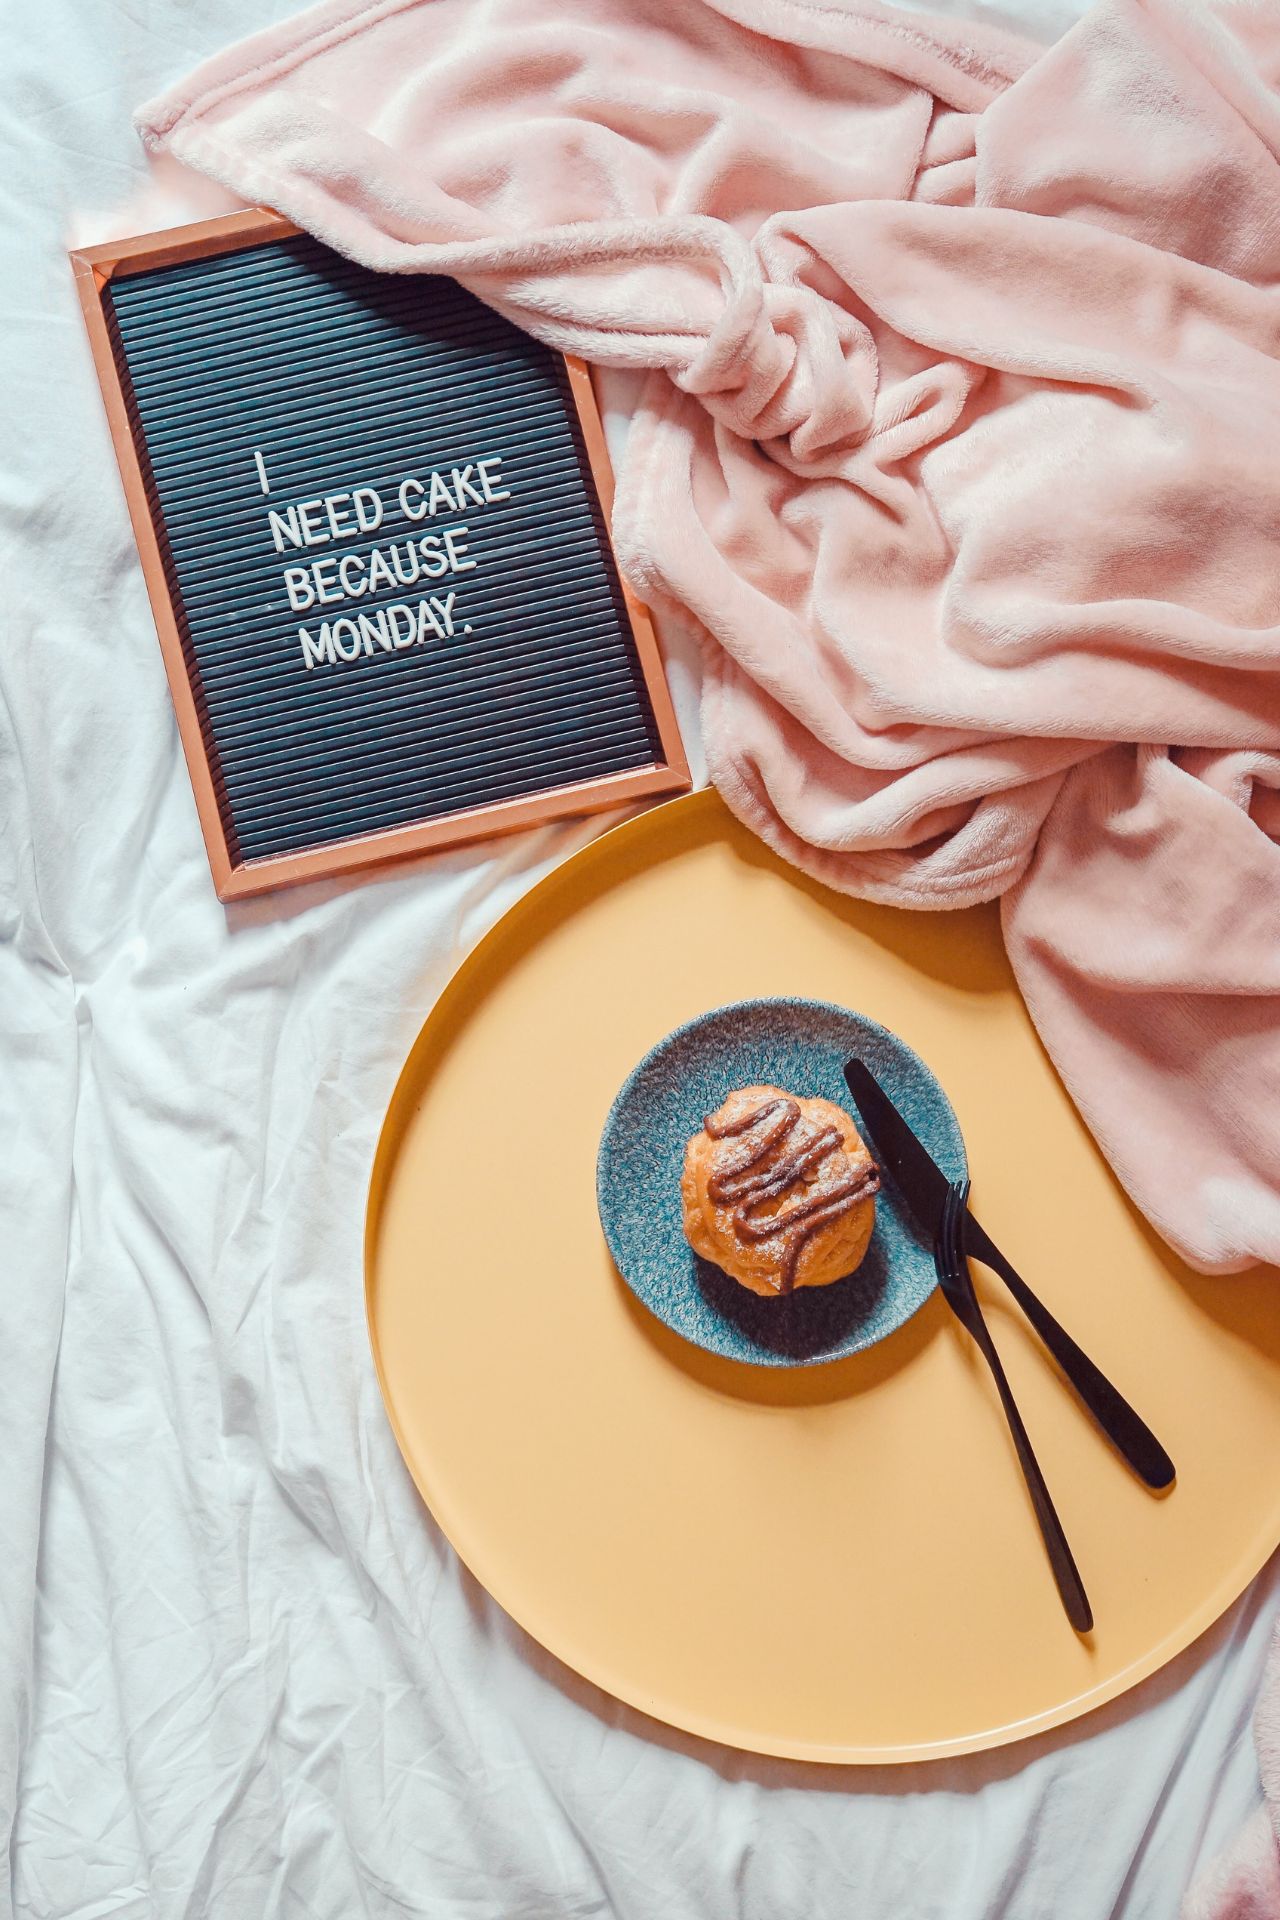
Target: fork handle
(1127, 1431)
(1061, 1559)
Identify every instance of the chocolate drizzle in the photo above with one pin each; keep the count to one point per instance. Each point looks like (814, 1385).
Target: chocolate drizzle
(766, 1169)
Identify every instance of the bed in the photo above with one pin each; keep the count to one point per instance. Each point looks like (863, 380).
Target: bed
(243, 1674)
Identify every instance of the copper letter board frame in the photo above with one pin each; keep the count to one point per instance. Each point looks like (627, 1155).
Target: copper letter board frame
(95, 268)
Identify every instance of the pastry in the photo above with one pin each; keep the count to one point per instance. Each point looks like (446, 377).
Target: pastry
(779, 1191)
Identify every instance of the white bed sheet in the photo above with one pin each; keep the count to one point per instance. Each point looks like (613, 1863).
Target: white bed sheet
(240, 1671)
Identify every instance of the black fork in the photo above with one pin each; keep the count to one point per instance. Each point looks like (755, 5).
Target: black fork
(957, 1288)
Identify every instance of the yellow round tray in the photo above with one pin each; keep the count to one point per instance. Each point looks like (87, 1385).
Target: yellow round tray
(829, 1563)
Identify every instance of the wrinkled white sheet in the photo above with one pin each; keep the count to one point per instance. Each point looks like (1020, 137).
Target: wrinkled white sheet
(240, 1672)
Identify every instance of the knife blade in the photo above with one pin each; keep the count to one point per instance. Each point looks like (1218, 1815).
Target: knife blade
(923, 1184)
(924, 1187)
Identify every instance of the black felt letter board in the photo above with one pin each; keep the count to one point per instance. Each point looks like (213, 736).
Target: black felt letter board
(327, 452)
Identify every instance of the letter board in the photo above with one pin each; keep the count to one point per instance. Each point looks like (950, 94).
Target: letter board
(373, 519)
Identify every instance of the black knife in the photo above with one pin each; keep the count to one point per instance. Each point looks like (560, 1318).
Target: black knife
(924, 1187)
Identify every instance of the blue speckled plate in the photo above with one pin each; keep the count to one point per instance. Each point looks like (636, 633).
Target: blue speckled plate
(800, 1045)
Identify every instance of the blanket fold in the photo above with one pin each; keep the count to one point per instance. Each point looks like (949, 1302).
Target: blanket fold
(958, 445)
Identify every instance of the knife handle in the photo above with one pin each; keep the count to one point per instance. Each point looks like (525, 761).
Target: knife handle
(1127, 1431)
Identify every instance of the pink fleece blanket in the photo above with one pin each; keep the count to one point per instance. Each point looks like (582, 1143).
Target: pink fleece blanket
(961, 445)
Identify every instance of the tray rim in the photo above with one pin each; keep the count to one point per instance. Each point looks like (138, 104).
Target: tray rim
(1224, 1594)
